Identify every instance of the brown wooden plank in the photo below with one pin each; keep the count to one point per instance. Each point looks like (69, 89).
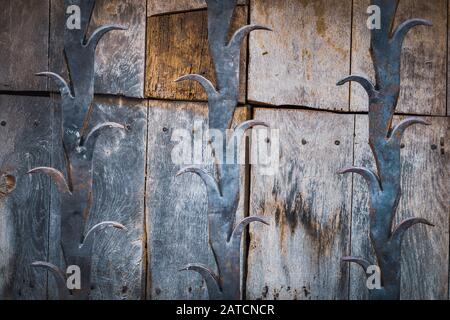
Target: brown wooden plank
(423, 59)
(309, 206)
(300, 62)
(118, 195)
(25, 137)
(426, 185)
(120, 58)
(23, 44)
(177, 44)
(157, 7)
(176, 206)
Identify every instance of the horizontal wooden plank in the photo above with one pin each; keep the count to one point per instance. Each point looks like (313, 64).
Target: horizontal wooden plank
(301, 60)
(424, 57)
(299, 255)
(120, 57)
(177, 206)
(23, 44)
(426, 186)
(26, 140)
(178, 44)
(156, 7)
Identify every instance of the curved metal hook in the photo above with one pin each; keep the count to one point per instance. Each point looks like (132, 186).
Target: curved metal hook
(210, 182)
(236, 236)
(363, 263)
(205, 83)
(90, 235)
(59, 276)
(399, 231)
(235, 42)
(363, 81)
(56, 175)
(397, 133)
(89, 142)
(371, 177)
(96, 36)
(403, 29)
(212, 281)
(62, 85)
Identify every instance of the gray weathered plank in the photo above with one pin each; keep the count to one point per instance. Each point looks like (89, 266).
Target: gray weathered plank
(426, 186)
(424, 57)
(156, 7)
(300, 62)
(23, 44)
(118, 195)
(177, 44)
(120, 58)
(176, 206)
(25, 137)
(309, 205)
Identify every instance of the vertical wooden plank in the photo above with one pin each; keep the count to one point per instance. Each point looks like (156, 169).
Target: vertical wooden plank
(157, 7)
(299, 255)
(25, 137)
(426, 185)
(301, 60)
(23, 44)
(120, 59)
(118, 195)
(423, 57)
(177, 206)
(177, 44)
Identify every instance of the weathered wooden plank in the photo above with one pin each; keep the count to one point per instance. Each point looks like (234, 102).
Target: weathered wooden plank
(156, 7)
(118, 195)
(177, 206)
(178, 44)
(448, 74)
(299, 63)
(25, 137)
(120, 59)
(309, 205)
(23, 44)
(426, 185)
(423, 57)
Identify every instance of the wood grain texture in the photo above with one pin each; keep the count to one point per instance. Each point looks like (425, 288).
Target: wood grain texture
(424, 56)
(177, 206)
(23, 44)
(157, 7)
(301, 60)
(426, 186)
(118, 195)
(120, 55)
(309, 207)
(178, 44)
(25, 137)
